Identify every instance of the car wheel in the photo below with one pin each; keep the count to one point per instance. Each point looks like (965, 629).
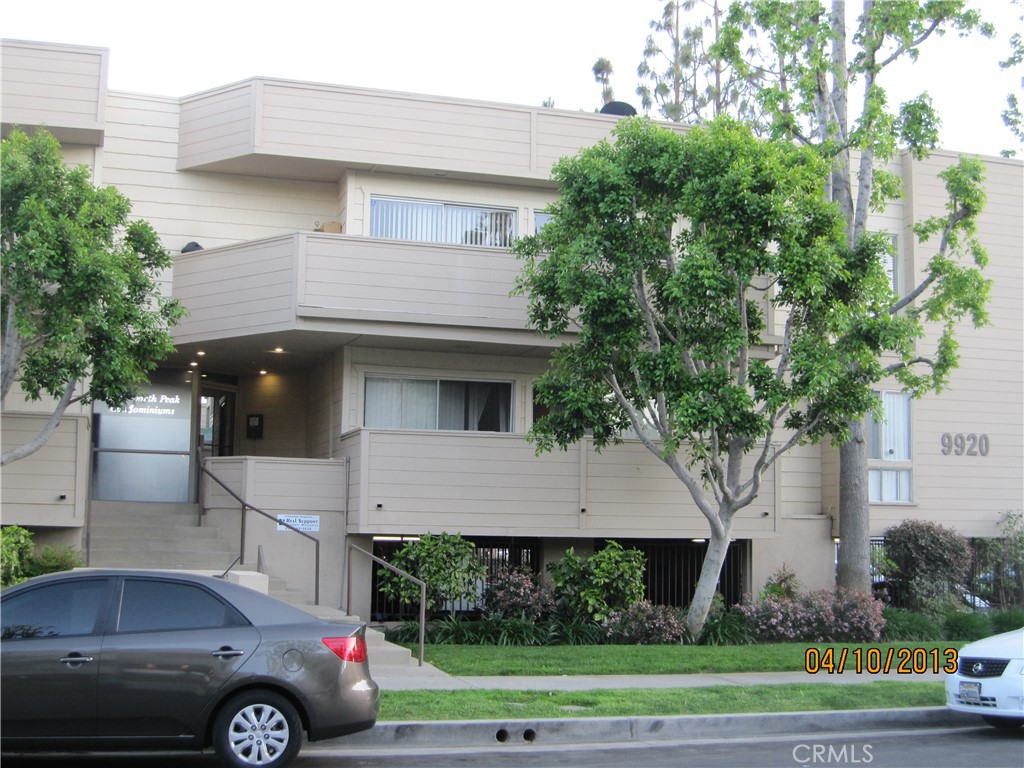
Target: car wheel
(257, 728)
(1003, 722)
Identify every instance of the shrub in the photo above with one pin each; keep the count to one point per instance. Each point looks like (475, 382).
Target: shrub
(645, 624)
(611, 579)
(725, 626)
(817, 617)
(901, 624)
(15, 550)
(966, 625)
(446, 562)
(782, 583)
(925, 563)
(52, 560)
(1005, 621)
(518, 593)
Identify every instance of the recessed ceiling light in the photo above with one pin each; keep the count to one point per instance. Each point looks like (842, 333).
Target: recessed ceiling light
(278, 349)
(200, 353)
(194, 364)
(263, 373)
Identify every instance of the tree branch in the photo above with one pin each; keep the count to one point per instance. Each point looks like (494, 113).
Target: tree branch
(27, 449)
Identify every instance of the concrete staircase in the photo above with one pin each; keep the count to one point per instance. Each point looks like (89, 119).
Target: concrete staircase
(168, 536)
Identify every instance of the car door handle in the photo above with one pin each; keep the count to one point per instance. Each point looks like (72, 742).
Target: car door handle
(227, 653)
(76, 660)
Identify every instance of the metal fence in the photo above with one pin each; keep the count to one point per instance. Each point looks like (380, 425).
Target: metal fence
(673, 567)
(990, 582)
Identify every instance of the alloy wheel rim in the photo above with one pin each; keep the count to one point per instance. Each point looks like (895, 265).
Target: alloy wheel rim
(259, 734)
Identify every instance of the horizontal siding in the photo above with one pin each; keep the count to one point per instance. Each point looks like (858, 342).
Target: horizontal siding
(236, 290)
(433, 481)
(218, 124)
(985, 394)
(140, 157)
(32, 486)
(380, 129)
(423, 281)
(62, 87)
(391, 129)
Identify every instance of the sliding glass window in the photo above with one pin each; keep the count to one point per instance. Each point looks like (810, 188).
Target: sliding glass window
(407, 403)
(435, 222)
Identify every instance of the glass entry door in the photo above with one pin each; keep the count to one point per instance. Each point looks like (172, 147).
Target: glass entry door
(216, 422)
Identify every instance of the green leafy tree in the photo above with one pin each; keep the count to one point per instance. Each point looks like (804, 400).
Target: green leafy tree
(1012, 117)
(667, 256)
(823, 86)
(682, 75)
(446, 562)
(83, 317)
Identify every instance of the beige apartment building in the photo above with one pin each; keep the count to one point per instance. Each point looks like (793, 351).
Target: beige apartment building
(353, 361)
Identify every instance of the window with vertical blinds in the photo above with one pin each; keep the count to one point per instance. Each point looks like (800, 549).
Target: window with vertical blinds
(434, 222)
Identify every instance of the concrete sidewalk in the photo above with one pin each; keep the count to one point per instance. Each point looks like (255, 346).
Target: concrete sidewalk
(430, 678)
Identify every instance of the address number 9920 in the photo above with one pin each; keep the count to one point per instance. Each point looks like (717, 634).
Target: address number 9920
(961, 444)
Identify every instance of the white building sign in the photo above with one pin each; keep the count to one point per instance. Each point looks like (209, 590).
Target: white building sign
(308, 523)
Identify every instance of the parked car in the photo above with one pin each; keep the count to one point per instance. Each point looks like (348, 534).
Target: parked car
(989, 680)
(117, 659)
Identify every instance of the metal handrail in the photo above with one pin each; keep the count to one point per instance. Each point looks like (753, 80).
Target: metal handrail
(422, 585)
(246, 506)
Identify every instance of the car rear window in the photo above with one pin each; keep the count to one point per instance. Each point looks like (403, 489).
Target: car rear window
(148, 606)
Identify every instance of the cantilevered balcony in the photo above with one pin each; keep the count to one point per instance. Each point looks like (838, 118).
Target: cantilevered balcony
(406, 482)
(350, 286)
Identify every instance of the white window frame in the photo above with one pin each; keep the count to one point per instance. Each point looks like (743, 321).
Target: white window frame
(448, 221)
(437, 380)
(890, 452)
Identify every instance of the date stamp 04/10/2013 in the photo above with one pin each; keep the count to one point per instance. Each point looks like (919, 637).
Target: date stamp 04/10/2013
(873, 661)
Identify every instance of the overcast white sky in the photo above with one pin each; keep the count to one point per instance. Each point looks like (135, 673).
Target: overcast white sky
(518, 52)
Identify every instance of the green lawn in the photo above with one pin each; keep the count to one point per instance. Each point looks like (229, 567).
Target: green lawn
(636, 659)
(404, 706)
(473, 660)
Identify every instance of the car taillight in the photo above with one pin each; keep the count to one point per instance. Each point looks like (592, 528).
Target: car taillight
(347, 648)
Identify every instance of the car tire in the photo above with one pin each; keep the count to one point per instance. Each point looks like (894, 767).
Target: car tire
(257, 728)
(1003, 722)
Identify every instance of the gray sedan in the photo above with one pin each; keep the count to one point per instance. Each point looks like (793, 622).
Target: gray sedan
(114, 659)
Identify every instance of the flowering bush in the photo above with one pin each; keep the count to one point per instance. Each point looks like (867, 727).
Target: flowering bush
(645, 624)
(518, 593)
(823, 616)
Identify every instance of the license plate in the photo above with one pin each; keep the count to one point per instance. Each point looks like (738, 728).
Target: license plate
(970, 693)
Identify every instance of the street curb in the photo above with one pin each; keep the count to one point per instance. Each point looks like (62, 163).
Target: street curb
(619, 730)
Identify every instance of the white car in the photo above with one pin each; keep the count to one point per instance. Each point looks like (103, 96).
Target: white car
(989, 680)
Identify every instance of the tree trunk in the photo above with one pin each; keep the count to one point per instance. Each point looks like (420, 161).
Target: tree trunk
(707, 584)
(854, 513)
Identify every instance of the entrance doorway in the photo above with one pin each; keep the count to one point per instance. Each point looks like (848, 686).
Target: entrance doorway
(216, 422)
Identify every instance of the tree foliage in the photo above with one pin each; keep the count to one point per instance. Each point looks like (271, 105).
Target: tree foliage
(822, 85)
(668, 256)
(603, 72)
(609, 580)
(83, 317)
(926, 563)
(446, 562)
(681, 72)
